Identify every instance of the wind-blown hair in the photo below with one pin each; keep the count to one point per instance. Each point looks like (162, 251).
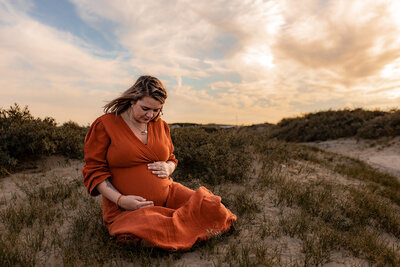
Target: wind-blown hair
(144, 86)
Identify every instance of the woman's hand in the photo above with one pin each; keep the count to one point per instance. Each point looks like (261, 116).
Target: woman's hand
(161, 168)
(128, 202)
(131, 202)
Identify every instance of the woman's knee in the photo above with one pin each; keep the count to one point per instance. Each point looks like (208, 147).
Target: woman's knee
(179, 194)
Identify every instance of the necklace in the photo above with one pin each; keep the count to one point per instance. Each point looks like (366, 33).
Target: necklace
(143, 132)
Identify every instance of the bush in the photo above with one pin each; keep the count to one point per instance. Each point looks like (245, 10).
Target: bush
(214, 157)
(70, 138)
(22, 137)
(387, 125)
(324, 125)
(7, 163)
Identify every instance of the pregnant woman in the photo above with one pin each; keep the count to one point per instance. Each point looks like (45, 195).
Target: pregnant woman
(128, 160)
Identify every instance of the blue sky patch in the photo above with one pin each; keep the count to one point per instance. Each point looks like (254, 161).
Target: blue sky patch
(62, 15)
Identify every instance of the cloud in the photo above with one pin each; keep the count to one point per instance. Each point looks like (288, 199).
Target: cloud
(166, 39)
(52, 71)
(285, 58)
(283, 52)
(349, 40)
(195, 40)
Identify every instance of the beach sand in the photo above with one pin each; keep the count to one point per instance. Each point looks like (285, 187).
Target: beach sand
(383, 154)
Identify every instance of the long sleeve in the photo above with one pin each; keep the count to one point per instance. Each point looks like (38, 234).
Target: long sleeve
(96, 169)
(171, 146)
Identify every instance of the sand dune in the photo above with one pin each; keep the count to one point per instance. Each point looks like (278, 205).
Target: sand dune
(262, 223)
(383, 154)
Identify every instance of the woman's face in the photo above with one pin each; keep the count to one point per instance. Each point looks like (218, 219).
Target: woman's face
(145, 109)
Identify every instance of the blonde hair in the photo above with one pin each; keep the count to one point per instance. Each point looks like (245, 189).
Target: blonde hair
(144, 86)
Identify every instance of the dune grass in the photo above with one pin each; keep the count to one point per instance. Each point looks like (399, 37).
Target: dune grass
(334, 124)
(296, 206)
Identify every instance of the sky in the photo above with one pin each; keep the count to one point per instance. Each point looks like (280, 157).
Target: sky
(232, 62)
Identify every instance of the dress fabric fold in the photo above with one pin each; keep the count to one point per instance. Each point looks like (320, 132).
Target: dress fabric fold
(180, 216)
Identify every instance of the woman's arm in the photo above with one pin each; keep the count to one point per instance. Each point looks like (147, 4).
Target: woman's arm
(127, 202)
(96, 173)
(95, 170)
(108, 190)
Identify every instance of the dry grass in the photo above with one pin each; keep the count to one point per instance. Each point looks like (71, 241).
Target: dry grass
(301, 207)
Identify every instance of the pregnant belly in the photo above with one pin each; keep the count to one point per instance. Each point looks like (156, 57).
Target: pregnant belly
(139, 181)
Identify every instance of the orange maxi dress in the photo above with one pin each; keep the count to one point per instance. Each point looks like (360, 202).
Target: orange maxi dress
(180, 216)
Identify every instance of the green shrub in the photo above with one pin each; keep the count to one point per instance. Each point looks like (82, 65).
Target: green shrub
(24, 137)
(324, 125)
(70, 138)
(387, 125)
(7, 163)
(213, 157)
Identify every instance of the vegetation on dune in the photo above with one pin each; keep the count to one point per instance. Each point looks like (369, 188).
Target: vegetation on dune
(284, 197)
(331, 124)
(296, 205)
(23, 137)
(207, 155)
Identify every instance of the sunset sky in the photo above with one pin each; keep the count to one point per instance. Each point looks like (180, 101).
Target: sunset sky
(232, 62)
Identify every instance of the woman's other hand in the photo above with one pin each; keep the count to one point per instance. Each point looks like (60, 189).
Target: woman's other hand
(161, 168)
(130, 202)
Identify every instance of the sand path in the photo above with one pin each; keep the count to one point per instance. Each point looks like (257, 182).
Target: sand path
(383, 154)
